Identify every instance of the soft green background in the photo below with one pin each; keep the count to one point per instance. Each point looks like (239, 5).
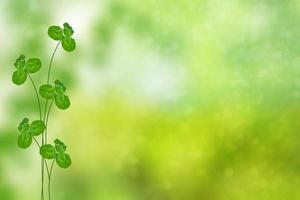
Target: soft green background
(171, 100)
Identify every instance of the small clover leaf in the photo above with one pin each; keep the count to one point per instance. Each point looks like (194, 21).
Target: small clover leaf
(60, 87)
(24, 125)
(20, 62)
(55, 32)
(37, 127)
(33, 65)
(47, 151)
(63, 160)
(60, 146)
(62, 101)
(19, 76)
(68, 43)
(47, 91)
(24, 140)
(68, 30)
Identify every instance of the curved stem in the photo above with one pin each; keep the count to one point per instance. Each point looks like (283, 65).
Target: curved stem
(48, 79)
(44, 118)
(40, 111)
(46, 121)
(47, 168)
(37, 95)
(44, 135)
(36, 142)
(49, 183)
(53, 54)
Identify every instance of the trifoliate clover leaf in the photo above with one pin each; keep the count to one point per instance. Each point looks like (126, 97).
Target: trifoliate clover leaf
(19, 76)
(62, 101)
(47, 151)
(24, 140)
(20, 62)
(55, 32)
(47, 91)
(68, 43)
(24, 126)
(60, 146)
(68, 30)
(33, 65)
(60, 87)
(63, 160)
(37, 127)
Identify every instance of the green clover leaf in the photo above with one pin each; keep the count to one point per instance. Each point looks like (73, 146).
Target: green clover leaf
(37, 127)
(20, 62)
(33, 65)
(55, 32)
(68, 30)
(47, 151)
(68, 43)
(24, 125)
(60, 87)
(47, 91)
(19, 76)
(24, 140)
(62, 101)
(63, 160)
(60, 146)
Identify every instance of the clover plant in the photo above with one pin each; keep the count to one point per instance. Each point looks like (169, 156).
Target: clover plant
(37, 130)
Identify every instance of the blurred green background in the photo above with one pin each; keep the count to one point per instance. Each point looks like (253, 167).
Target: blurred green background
(171, 100)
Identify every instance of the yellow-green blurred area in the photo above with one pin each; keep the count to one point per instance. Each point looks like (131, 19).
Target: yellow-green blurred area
(170, 100)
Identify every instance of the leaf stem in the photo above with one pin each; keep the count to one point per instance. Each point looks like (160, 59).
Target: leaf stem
(46, 121)
(49, 182)
(42, 169)
(47, 168)
(52, 57)
(36, 142)
(37, 95)
(40, 111)
(44, 135)
(48, 79)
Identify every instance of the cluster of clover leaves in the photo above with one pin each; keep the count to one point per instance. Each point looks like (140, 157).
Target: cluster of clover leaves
(29, 132)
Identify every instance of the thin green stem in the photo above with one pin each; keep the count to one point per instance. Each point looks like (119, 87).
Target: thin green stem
(37, 95)
(47, 168)
(42, 169)
(49, 182)
(45, 114)
(48, 171)
(46, 121)
(48, 79)
(50, 66)
(36, 142)
(44, 135)
(40, 112)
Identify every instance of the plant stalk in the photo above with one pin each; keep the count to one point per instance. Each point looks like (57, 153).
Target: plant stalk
(44, 135)
(40, 112)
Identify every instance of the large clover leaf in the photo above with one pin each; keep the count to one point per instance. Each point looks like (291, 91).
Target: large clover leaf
(33, 65)
(62, 101)
(19, 76)
(24, 140)
(47, 151)
(47, 91)
(63, 160)
(55, 32)
(37, 127)
(68, 43)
